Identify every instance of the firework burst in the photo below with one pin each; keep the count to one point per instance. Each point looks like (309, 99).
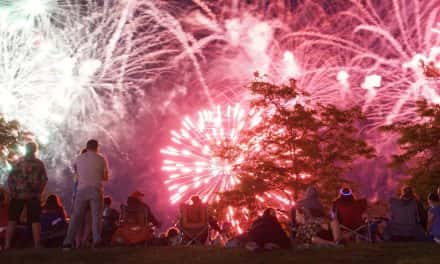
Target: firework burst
(192, 162)
(70, 69)
(203, 155)
(389, 49)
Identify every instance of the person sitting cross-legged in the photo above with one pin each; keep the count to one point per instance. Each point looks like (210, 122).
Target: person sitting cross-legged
(349, 212)
(311, 225)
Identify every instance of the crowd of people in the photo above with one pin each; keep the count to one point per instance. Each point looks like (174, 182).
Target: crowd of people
(95, 223)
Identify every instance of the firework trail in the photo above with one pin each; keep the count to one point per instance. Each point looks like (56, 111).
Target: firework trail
(71, 69)
(390, 46)
(54, 69)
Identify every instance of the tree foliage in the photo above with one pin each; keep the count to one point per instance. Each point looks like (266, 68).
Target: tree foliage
(11, 137)
(419, 143)
(295, 143)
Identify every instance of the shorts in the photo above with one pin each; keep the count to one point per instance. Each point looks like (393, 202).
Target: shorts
(33, 207)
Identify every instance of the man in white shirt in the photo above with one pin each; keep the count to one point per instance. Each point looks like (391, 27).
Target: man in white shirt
(92, 171)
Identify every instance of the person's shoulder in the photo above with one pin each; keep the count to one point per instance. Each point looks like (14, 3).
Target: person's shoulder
(394, 200)
(31, 161)
(101, 157)
(39, 162)
(20, 161)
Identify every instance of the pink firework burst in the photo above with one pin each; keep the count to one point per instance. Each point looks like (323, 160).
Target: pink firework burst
(192, 163)
(195, 166)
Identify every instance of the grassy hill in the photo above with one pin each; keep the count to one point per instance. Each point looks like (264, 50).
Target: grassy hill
(371, 254)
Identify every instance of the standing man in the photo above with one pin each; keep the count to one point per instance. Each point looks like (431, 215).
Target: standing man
(92, 170)
(26, 182)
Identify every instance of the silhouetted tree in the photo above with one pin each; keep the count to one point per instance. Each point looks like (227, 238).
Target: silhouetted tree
(419, 142)
(294, 143)
(11, 137)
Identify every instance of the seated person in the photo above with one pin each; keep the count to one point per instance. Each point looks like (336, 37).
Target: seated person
(434, 217)
(195, 221)
(405, 222)
(137, 222)
(3, 216)
(53, 221)
(227, 231)
(349, 214)
(349, 211)
(311, 228)
(110, 220)
(172, 236)
(53, 210)
(312, 201)
(266, 233)
(314, 211)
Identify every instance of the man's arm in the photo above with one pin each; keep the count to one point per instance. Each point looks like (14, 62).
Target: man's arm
(106, 171)
(12, 181)
(43, 178)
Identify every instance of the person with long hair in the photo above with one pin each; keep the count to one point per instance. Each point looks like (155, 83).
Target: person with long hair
(406, 223)
(53, 221)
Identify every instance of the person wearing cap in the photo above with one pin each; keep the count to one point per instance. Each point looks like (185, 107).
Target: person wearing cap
(26, 183)
(92, 171)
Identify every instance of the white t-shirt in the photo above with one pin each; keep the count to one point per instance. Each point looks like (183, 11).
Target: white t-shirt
(91, 168)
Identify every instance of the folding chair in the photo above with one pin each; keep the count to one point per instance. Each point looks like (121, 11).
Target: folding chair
(358, 233)
(134, 228)
(405, 223)
(351, 221)
(194, 224)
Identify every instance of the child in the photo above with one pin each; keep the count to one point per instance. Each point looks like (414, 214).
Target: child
(434, 217)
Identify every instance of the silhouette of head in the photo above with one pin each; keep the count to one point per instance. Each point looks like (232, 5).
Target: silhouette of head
(107, 201)
(196, 199)
(269, 212)
(407, 192)
(53, 201)
(31, 148)
(346, 194)
(92, 145)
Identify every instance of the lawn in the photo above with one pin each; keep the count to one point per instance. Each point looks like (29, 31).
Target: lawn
(371, 254)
